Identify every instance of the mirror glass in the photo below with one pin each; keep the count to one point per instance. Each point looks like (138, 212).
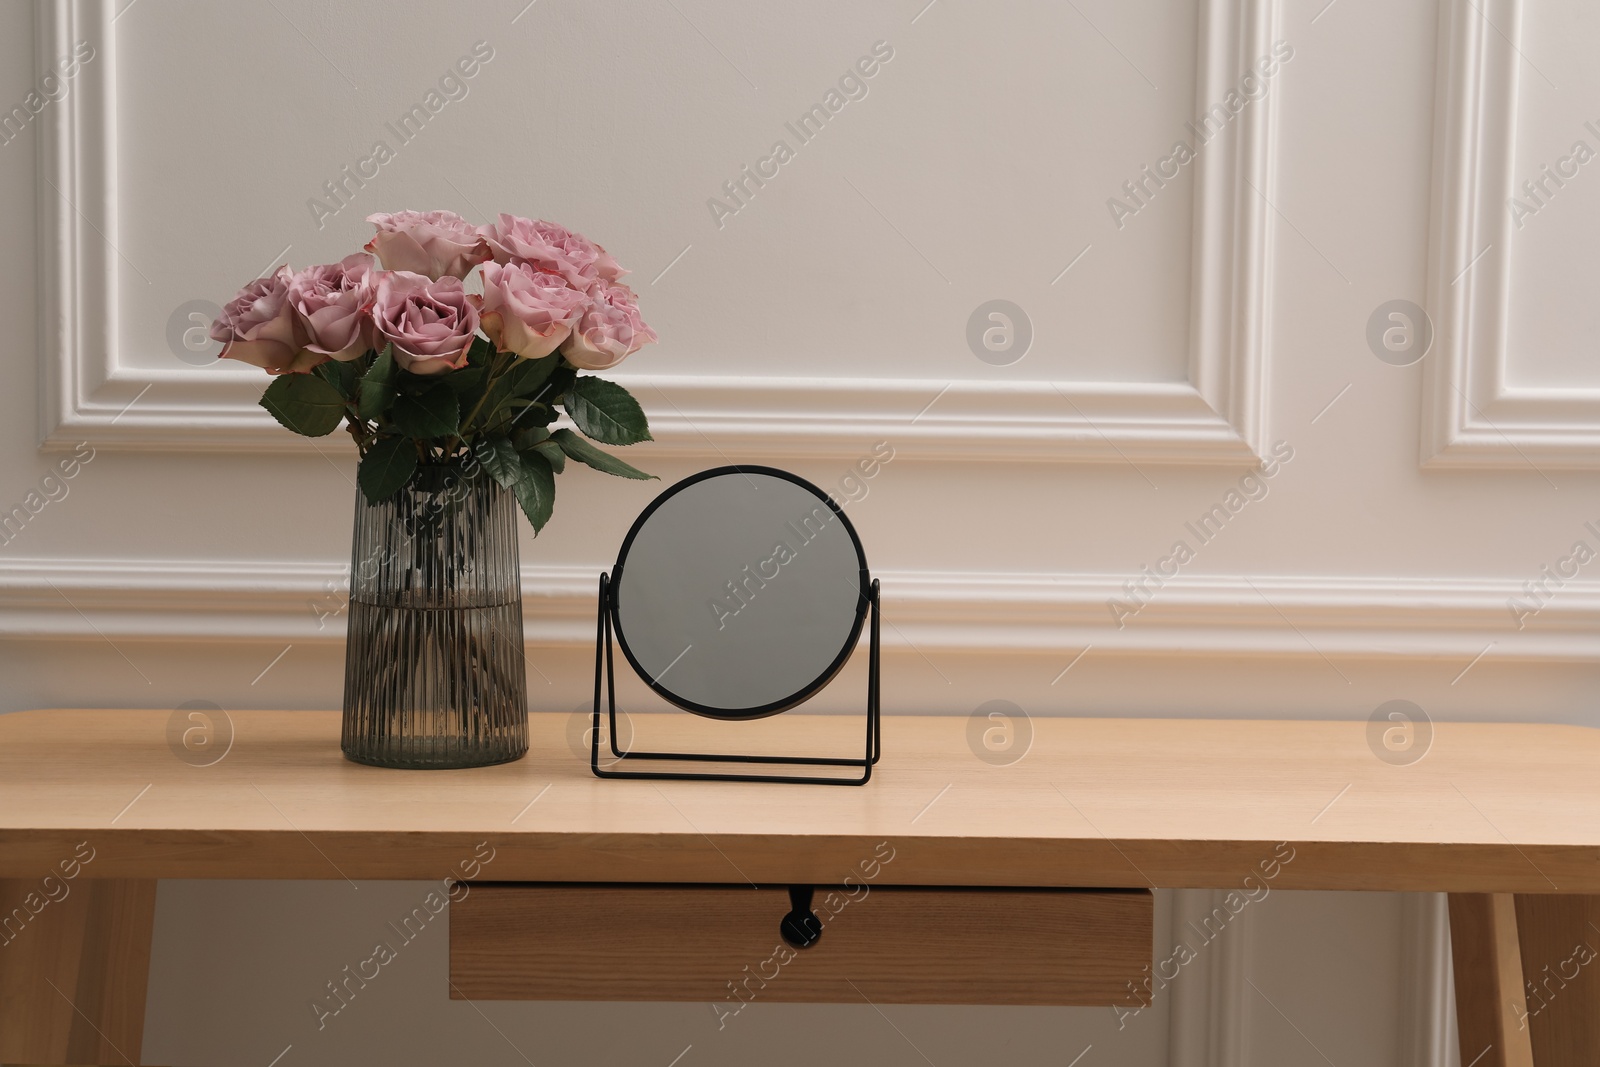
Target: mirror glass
(740, 592)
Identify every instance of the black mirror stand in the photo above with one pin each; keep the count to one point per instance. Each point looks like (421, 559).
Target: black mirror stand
(605, 678)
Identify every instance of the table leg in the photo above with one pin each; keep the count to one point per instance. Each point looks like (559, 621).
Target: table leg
(74, 964)
(1560, 937)
(1490, 1005)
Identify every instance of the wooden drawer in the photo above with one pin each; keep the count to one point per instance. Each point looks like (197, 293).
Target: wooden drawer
(721, 943)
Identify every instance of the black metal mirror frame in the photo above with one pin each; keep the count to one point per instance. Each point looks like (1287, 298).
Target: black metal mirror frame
(605, 674)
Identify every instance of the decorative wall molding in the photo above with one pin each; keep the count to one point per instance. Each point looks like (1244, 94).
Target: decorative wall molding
(1235, 616)
(1427, 988)
(1210, 999)
(1472, 417)
(1217, 417)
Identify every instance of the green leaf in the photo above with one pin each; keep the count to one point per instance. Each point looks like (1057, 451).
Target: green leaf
(499, 458)
(528, 376)
(465, 380)
(524, 378)
(341, 374)
(552, 452)
(584, 452)
(376, 391)
(534, 416)
(388, 465)
(606, 412)
(562, 378)
(304, 403)
(434, 413)
(536, 489)
(526, 437)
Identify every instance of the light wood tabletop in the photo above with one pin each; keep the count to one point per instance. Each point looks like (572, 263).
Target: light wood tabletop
(1093, 803)
(1505, 818)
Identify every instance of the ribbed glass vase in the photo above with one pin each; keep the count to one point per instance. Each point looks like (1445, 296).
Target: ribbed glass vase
(433, 673)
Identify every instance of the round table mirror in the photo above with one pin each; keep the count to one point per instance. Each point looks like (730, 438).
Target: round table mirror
(740, 592)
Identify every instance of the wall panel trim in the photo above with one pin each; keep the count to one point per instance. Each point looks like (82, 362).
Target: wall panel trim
(1217, 417)
(1472, 417)
(1237, 616)
(1427, 986)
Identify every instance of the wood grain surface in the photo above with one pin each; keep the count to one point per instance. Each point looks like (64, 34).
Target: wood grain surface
(1560, 938)
(73, 973)
(1487, 960)
(721, 945)
(1113, 803)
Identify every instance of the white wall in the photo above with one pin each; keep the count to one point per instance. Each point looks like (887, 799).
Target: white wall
(1225, 315)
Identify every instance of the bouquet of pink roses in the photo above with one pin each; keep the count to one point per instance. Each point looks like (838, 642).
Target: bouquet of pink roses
(422, 372)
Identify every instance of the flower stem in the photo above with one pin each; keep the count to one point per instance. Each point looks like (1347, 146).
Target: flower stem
(358, 431)
(496, 370)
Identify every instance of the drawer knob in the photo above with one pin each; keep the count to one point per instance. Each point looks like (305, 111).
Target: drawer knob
(801, 927)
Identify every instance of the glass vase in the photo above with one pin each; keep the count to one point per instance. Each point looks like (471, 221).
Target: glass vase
(434, 662)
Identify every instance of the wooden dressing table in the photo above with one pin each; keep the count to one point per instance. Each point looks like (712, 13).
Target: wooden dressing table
(945, 880)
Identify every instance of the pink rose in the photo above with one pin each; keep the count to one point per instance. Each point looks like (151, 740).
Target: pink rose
(435, 243)
(526, 310)
(259, 326)
(429, 322)
(609, 331)
(551, 248)
(333, 301)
